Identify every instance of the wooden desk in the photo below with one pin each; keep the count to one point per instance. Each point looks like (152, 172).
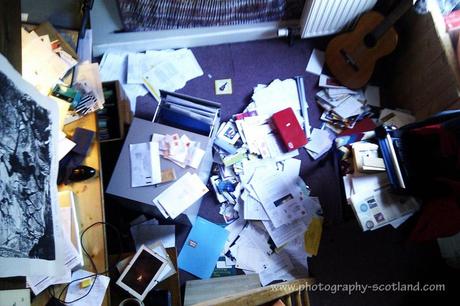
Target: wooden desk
(89, 199)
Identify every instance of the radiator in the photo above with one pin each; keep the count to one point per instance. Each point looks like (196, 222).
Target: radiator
(324, 17)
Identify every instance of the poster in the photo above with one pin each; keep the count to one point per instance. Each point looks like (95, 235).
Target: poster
(30, 234)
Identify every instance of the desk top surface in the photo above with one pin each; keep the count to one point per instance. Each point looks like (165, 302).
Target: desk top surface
(90, 206)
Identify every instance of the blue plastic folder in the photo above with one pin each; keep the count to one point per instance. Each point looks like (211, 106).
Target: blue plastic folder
(202, 248)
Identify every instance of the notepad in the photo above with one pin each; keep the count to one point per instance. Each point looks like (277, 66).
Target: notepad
(202, 247)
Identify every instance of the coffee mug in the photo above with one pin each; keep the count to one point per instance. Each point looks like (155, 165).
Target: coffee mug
(131, 302)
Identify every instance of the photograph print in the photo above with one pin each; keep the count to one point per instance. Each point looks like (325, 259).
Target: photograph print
(28, 195)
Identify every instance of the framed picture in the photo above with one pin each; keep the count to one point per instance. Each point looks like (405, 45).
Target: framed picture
(142, 273)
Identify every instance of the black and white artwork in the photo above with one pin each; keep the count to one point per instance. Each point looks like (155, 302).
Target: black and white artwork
(29, 231)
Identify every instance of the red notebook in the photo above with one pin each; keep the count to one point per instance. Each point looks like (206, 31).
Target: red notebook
(289, 129)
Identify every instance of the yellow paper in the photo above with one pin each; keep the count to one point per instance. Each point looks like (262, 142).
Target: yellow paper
(313, 236)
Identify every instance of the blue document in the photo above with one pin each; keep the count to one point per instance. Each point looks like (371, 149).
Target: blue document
(202, 248)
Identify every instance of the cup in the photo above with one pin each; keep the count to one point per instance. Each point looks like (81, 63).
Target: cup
(131, 302)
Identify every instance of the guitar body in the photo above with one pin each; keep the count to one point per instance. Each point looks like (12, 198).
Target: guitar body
(351, 57)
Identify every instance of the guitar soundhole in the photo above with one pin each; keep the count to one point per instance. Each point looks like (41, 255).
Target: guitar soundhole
(370, 41)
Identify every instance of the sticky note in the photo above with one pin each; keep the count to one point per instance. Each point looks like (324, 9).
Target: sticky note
(223, 87)
(85, 283)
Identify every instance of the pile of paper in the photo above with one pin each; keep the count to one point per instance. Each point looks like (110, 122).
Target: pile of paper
(44, 62)
(180, 149)
(145, 158)
(381, 207)
(267, 204)
(140, 73)
(343, 107)
(368, 192)
(72, 246)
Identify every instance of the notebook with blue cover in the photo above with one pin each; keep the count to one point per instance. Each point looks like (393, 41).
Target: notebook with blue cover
(202, 248)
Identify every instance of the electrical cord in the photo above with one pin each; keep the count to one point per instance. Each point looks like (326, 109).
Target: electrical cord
(51, 291)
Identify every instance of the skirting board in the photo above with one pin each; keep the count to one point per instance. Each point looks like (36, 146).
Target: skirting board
(106, 25)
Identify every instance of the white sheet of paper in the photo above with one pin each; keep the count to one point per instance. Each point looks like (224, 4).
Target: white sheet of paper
(85, 47)
(250, 258)
(368, 182)
(15, 297)
(181, 195)
(234, 230)
(277, 96)
(320, 142)
(276, 269)
(280, 200)
(40, 65)
(172, 73)
(65, 145)
(295, 250)
(348, 108)
(113, 66)
(66, 201)
(72, 259)
(286, 232)
(95, 297)
(254, 210)
(135, 68)
(133, 91)
(316, 62)
(145, 164)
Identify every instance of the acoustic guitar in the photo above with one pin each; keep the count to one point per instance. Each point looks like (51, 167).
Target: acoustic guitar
(351, 57)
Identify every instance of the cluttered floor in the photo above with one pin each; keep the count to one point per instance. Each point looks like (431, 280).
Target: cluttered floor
(346, 254)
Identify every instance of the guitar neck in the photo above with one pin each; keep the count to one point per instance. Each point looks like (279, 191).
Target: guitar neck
(391, 19)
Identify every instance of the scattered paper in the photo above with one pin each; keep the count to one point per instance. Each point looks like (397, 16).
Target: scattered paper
(172, 73)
